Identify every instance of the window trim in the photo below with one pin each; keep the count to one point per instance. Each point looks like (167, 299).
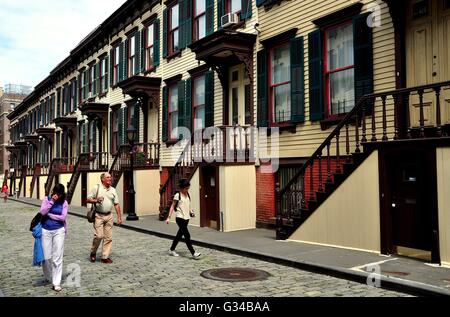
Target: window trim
(130, 58)
(149, 66)
(327, 73)
(170, 31)
(195, 19)
(194, 106)
(270, 86)
(103, 76)
(228, 8)
(115, 131)
(116, 56)
(169, 115)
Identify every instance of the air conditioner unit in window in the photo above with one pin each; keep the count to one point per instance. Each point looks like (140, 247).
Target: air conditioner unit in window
(229, 19)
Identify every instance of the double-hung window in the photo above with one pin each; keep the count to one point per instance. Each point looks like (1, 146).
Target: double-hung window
(199, 102)
(116, 62)
(103, 76)
(199, 19)
(173, 112)
(174, 21)
(149, 46)
(339, 69)
(233, 6)
(280, 83)
(132, 56)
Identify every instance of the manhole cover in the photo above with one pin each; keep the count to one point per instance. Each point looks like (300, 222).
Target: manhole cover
(235, 274)
(396, 273)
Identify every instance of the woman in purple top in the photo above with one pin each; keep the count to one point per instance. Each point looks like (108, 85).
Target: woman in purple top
(54, 210)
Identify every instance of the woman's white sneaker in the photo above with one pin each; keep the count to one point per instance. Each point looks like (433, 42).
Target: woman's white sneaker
(173, 253)
(196, 255)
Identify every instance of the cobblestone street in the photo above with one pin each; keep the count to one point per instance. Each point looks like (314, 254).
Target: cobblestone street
(142, 267)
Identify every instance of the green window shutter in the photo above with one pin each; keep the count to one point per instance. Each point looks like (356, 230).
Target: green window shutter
(58, 103)
(156, 43)
(260, 2)
(126, 49)
(297, 80)
(181, 103)
(86, 84)
(220, 12)
(246, 9)
(83, 138)
(111, 67)
(120, 128)
(182, 6)
(97, 79)
(125, 125)
(106, 81)
(142, 51)
(111, 117)
(94, 136)
(121, 58)
(209, 99)
(137, 52)
(137, 112)
(262, 91)
(209, 17)
(188, 23)
(315, 75)
(165, 33)
(188, 108)
(165, 114)
(75, 97)
(363, 58)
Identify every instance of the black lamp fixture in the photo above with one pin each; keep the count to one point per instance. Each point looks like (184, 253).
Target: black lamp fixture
(132, 135)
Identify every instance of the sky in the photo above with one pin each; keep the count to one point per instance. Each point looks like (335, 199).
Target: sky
(36, 35)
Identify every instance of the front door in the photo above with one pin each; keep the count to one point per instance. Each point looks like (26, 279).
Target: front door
(411, 203)
(239, 106)
(428, 57)
(209, 198)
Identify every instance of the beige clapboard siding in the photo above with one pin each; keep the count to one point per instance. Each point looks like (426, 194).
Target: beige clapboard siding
(299, 14)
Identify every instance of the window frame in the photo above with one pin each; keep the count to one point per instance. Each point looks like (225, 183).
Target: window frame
(173, 86)
(103, 76)
(131, 59)
(149, 66)
(171, 31)
(115, 58)
(272, 86)
(196, 19)
(194, 105)
(228, 8)
(327, 73)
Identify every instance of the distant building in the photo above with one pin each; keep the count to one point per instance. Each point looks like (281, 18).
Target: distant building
(10, 97)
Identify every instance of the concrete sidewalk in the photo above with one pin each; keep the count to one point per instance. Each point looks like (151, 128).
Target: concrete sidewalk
(396, 273)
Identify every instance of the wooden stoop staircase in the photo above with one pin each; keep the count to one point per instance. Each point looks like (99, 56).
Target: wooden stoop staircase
(344, 150)
(81, 164)
(184, 168)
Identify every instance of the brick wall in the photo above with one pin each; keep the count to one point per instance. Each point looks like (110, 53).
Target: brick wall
(265, 196)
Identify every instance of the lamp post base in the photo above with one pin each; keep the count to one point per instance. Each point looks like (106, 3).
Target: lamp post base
(132, 217)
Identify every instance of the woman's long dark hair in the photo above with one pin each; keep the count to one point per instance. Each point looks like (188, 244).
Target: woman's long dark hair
(61, 191)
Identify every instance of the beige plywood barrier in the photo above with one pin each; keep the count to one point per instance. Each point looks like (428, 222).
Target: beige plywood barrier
(443, 188)
(238, 197)
(147, 192)
(350, 217)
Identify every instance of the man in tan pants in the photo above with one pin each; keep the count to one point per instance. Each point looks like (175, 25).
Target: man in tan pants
(105, 198)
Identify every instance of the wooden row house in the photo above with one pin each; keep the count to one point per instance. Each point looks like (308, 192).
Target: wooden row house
(327, 121)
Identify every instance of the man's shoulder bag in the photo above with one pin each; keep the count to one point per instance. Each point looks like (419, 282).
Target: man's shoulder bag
(91, 213)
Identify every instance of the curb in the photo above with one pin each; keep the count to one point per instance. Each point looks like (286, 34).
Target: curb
(386, 282)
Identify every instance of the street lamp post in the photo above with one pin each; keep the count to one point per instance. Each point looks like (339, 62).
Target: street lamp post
(131, 135)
